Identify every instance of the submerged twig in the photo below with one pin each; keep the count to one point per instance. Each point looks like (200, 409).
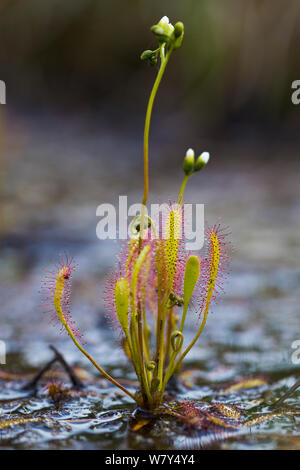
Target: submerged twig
(77, 383)
(73, 377)
(33, 382)
(287, 394)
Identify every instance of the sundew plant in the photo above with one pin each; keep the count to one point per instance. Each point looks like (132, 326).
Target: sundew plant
(157, 283)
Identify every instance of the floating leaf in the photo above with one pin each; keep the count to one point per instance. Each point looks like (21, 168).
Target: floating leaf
(228, 410)
(140, 424)
(219, 422)
(244, 384)
(16, 422)
(267, 417)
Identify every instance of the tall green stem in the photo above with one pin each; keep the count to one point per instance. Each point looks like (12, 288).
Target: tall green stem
(163, 64)
(161, 357)
(182, 188)
(136, 321)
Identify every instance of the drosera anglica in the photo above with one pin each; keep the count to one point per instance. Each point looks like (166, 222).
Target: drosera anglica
(56, 289)
(157, 282)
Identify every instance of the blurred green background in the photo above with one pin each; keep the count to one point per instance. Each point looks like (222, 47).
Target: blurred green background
(234, 73)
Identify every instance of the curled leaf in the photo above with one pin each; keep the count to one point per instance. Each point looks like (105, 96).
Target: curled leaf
(176, 340)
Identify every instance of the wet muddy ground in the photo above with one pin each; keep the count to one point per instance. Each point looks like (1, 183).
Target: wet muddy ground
(53, 182)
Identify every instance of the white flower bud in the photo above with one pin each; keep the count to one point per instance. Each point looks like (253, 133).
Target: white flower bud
(204, 157)
(165, 24)
(190, 153)
(164, 19)
(188, 162)
(201, 161)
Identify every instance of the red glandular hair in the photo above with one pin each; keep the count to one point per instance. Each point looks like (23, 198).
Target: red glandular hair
(56, 291)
